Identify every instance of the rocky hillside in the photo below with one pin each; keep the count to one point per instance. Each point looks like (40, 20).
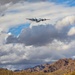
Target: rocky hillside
(66, 64)
(60, 67)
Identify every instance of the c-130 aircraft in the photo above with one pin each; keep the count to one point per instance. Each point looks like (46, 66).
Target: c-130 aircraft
(37, 20)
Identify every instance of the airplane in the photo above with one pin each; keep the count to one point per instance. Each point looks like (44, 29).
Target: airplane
(37, 20)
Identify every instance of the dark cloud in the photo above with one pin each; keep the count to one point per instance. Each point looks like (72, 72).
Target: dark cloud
(14, 1)
(40, 35)
(11, 38)
(35, 0)
(37, 35)
(8, 1)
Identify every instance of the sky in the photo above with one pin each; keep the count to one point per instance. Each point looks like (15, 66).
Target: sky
(24, 43)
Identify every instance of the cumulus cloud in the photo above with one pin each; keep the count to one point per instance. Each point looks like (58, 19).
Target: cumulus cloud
(67, 21)
(71, 31)
(11, 38)
(21, 54)
(38, 36)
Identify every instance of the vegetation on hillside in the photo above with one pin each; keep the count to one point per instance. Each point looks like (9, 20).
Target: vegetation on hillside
(7, 72)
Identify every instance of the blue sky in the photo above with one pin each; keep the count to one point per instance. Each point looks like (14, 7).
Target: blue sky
(16, 30)
(68, 2)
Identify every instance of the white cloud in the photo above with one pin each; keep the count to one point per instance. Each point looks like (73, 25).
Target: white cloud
(20, 54)
(29, 10)
(71, 31)
(17, 54)
(67, 21)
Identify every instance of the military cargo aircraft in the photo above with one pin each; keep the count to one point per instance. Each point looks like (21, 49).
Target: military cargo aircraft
(37, 20)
